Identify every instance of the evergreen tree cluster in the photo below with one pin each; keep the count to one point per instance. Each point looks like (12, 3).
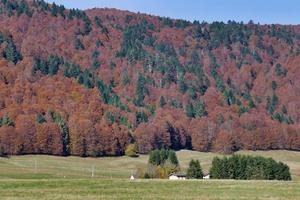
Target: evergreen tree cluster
(194, 171)
(6, 121)
(40, 118)
(50, 66)
(116, 118)
(108, 96)
(86, 78)
(160, 157)
(141, 117)
(87, 27)
(134, 39)
(64, 129)
(282, 33)
(100, 25)
(54, 9)
(104, 90)
(96, 63)
(141, 90)
(213, 70)
(10, 52)
(280, 70)
(78, 44)
(12, 7)
(249, 167)
(179, 23)
(195, 67)
(272, 103)
(41, 5)
(195, 111)
(283, 116)
(161, 164)
(219, 33)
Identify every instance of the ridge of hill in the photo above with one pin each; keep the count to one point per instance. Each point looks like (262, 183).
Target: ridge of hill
(89, 83)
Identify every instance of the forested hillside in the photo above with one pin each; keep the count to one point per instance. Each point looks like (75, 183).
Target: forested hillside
(89, 83)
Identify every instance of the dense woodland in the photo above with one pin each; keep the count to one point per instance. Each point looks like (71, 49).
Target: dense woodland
(90, 83)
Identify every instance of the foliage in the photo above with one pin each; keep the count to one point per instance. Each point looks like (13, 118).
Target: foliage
(182, 85)
(249, 167)
(134, 38)
(125, 65)
(131, 150)
(100, 25)
(160, 157)
(95, 60)
(274, 85)
(162, 101)
(78, 44)
(141, 117)
(189, 110)
(12, 7)
(200, 109)
(280, 70)
(6, 121)
(71, 70)
(104, 91)
(51, 66)
(40, 118)
(272, 103)
(194, 171)
(161, 164)
(64, 129)
(257, 57)
(10, 51)
(140, 90)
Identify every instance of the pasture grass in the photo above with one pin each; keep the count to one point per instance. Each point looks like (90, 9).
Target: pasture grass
(51, 177)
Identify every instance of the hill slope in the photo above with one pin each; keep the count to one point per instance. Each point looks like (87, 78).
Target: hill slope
(89, 83)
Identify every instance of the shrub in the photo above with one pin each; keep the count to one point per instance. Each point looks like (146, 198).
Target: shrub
(131, 151)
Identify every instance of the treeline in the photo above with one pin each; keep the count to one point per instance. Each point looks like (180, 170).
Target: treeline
(52, 134)
(249, 167)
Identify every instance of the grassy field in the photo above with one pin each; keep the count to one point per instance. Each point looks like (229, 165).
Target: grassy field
(49, 177)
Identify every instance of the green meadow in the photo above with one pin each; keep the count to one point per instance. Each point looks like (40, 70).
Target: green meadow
(50, 177)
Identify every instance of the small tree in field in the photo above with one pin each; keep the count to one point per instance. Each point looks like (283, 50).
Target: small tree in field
(131, 150)
(194, 171)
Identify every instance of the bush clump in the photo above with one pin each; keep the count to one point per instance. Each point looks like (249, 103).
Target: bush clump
(131, 151)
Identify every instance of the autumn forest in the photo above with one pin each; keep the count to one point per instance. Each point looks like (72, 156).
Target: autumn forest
(90, 83)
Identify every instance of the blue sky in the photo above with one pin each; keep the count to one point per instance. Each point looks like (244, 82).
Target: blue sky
(262, 11)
